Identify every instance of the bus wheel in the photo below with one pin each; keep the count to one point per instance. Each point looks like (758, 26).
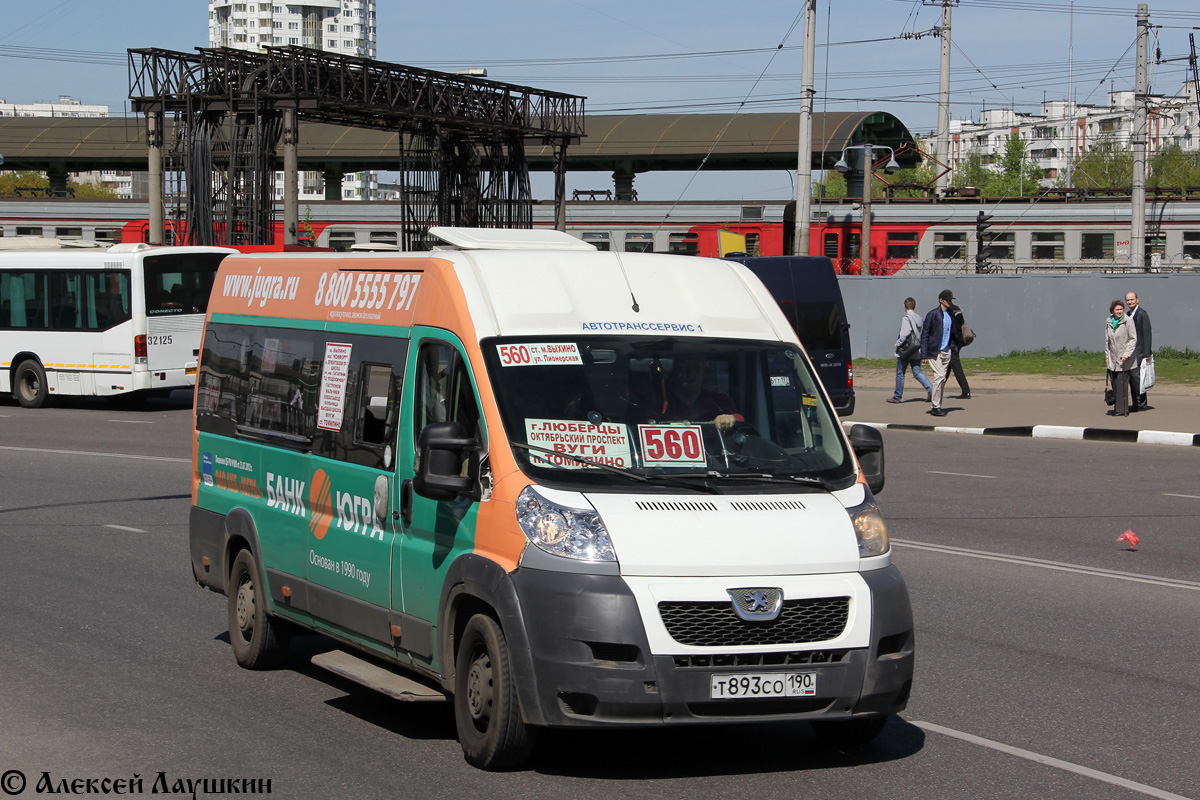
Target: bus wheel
(486, 709)
(259, 642)
(29, 384)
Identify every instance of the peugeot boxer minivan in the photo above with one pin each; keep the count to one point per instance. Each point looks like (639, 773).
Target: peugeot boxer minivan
(560, 488)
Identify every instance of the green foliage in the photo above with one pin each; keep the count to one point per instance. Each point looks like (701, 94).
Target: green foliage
(10, 182)
(1171, 166)
(1013, 175)
(1171, 365)
(1106, 164)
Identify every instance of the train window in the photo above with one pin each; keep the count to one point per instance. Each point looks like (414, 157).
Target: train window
(69, 233)
(1156, 243)
(1048, 245)
(753, 212)
(902, 244)
(383, 237)
(1097, 245)
(752, 244)
(341, 241)
(831, 246)
(683, 244)
(108, 235)
(949, 245)
(1191, 244)
(1002, 245)
(853, 245)
(639, 243)
(25, 230)
(599, 241)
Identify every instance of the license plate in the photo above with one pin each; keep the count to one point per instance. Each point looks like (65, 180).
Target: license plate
(769, 684)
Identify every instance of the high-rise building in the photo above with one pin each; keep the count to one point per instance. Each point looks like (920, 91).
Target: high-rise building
(334, 26)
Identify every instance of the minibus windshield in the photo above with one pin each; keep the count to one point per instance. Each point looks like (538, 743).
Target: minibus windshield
(720, 411)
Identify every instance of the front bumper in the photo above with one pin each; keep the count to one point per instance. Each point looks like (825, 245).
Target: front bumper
(593, 665)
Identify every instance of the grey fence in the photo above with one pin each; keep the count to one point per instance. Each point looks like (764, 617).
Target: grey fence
(1023, 312)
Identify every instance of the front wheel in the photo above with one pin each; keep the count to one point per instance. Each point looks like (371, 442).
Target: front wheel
(259, 641)
(29, 384)
(486, 709)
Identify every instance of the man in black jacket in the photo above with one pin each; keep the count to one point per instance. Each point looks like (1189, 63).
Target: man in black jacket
(1141, 324)
(940, 339)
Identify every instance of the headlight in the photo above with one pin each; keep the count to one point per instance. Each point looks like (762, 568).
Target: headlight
(870, 530)
(561, 531)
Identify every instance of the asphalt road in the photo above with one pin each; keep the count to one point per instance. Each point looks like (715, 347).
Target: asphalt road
(1051, 660)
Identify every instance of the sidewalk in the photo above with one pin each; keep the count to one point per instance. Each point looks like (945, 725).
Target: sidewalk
(1029, 405)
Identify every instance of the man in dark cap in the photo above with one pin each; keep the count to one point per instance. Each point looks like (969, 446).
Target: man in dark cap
(940, 339)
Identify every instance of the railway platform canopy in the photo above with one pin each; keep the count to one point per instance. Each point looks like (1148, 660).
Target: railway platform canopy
(623, 144)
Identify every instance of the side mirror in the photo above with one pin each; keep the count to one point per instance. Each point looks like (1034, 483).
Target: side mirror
(868, 446)
(441, 449)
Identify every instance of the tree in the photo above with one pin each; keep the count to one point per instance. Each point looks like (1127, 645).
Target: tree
(11, 182)
(1172, 167)
(1107, 164)
(1014, 174)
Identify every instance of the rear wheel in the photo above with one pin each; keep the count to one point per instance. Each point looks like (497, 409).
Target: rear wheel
(259, 641)
(486, 709)
(29, 384)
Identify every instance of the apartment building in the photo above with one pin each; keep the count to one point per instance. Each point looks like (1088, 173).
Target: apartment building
(1061, 131)
(334, 26)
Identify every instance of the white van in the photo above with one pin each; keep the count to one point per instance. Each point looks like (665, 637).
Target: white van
(566, 488)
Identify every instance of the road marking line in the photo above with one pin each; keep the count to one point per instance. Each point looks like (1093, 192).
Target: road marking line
(133, 421)
(1188, 496)
(1054, 565)
(101, 455)
(960, 474)
(125, 528)
(1029, 755)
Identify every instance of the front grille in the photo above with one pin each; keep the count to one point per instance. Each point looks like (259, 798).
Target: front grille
(717, 625)
(759, 659)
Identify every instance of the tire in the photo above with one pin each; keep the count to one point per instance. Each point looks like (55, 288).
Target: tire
(29, 384)
(259, 641)
(850, 732)
(486, 710)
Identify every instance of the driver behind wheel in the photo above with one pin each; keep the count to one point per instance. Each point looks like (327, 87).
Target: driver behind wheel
(684, 398)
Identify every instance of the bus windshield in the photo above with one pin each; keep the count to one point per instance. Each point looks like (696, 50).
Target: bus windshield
(581, 410)
(179, 283)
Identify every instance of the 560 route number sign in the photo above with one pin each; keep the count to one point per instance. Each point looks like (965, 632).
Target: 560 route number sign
(672, 446)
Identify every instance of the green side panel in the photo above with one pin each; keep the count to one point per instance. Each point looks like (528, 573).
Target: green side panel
(394, 331)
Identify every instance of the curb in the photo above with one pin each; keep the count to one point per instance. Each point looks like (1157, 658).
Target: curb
(1051, 432)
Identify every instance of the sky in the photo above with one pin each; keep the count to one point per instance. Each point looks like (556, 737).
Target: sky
(634, 56)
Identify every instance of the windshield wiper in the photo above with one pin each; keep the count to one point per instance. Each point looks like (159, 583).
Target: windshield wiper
(625, 473)
(802, 480)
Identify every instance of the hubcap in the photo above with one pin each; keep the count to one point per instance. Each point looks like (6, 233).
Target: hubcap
(245, 607)
(30, 386)
(479, 688)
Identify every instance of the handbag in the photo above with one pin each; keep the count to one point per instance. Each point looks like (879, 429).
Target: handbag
(908, 348)
(1147, 375)
(968, 335)
(1110, 398)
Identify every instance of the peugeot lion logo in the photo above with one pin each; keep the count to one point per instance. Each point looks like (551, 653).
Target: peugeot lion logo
(757, 605)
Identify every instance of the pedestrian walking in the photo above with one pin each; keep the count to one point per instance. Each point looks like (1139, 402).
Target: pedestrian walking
(908, 352)
(964, 388)
(939, 341)
(1145, 349)
(1120, 342)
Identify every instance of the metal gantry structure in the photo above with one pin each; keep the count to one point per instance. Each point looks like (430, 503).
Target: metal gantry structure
(461, 138)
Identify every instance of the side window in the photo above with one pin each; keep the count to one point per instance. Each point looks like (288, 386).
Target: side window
(378, 404)
(444, 391)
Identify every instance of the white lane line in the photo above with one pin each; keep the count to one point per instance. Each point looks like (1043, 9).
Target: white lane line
(960, 474)
(1188, 496)
(125, 528)
(133, 421)
(1051, 762)
(86, 453)
(1054, 565)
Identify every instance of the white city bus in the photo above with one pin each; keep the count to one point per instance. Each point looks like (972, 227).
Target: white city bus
(101, 321)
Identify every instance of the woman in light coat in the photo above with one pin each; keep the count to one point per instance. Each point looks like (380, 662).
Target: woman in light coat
(1120, 341)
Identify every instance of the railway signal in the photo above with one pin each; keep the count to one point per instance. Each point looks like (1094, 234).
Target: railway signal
(982, 223)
